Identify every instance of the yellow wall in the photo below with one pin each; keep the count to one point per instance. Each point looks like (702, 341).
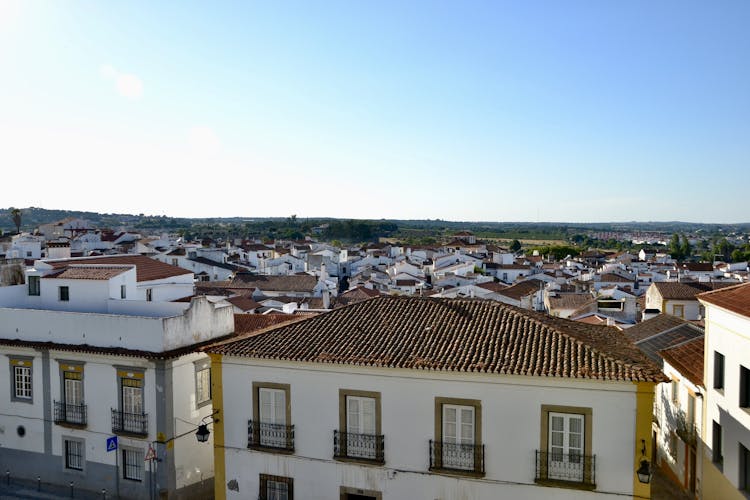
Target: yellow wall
(644, 404)
(217, 396)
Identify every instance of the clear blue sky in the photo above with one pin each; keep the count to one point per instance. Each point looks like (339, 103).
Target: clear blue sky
(530, 111)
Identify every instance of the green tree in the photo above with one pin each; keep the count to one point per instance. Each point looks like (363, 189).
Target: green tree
(15, 214)
(675, 249)
(685, 248)
(515, 246)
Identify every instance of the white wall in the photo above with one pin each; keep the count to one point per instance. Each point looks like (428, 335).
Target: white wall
(729, 334)
(511, 413)
(202, 321)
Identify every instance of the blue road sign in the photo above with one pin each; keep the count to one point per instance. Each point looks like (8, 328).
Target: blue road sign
(112, 443)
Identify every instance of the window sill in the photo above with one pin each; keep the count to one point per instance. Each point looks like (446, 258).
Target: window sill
(132, 434)
(361, 461)
(271, 449)
(70, 425)
(456, 472)
(572, 485)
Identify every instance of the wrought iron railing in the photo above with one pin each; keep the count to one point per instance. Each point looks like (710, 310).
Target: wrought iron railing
(467, 458)
(566, 467)
(130, 423)
(273, 436)
(66, 413)
(359, 446)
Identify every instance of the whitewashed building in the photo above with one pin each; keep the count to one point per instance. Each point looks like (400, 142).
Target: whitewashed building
(422, 398)
(726, 457)
(92, 354)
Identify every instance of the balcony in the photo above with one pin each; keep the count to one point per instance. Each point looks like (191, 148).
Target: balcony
(271, 437)
(129, 423)
(70, 414)
(358, 447)
(457, 458)
(566, 469)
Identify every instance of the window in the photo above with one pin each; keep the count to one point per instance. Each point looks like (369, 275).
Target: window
(458, 435)
(149, 294)
(272, 414)
(678, 310)
(202, 383)
(34, 286)
(673, 445)
(718, 370)
(132, 464)
(64, 293)
(21, 370)
(676, 391)
(359, 435)
(71, 409)
(174, 262)
(130, 417)
(276, 488)
(690, 418)
(744, 387)
(744, 469)
(73, 449)
(717, 444)
(566, 449)
(123, 292)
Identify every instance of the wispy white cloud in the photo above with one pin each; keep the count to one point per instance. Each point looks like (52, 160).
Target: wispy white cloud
(126, 84)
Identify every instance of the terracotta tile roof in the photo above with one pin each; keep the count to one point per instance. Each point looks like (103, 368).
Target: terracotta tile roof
(84, 272)
(519, 290)
(653, 326)
(293, 283)
(245, 324)
(467, 335)
(687, 358)
(735, 299)
(614, 278)
(492, 286)
(146, 268)
(243, 302)
(571, 300)
(354, 295)
(696, 266)
(685, 291)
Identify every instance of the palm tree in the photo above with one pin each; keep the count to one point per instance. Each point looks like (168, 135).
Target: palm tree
(15, 214)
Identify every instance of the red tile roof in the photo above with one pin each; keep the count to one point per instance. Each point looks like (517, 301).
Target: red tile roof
(685, 291)
(146, 268)
(687, 358)
(467, 335)
(85, 272)
(735, 299)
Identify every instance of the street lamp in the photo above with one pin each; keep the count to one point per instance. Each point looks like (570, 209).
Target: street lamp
(202, 433)
(644, 472)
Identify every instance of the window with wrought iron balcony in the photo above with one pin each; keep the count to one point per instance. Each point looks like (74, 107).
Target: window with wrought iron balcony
(271, 429)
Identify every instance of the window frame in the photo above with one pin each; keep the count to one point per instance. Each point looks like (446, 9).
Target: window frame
(719, 371)
(440, 402)
(256, 387)
(678, 307)
(588, 445)
(744, 390)
(263, 485)
(36, 289)
(203, 365)
(123, 292)
(743, 476)
(139, 463)
(66, 456)
(63, 293)
(717, 445)
(344, 394)
(25, 363)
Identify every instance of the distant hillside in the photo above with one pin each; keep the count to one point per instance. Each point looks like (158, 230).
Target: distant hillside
(295, 227)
